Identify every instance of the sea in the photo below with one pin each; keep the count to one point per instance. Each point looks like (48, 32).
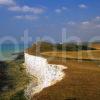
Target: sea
(9, 51)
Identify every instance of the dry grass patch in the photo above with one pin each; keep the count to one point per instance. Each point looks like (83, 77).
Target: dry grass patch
(89, 54)
(96, 46)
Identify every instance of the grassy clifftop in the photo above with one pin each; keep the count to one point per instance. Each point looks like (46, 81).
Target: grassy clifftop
(42, 46)
(13, 80)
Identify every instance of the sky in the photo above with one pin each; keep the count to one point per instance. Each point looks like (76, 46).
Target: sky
(48, 18)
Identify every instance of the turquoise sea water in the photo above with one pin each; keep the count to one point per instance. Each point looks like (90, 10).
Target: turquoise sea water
(8, 51)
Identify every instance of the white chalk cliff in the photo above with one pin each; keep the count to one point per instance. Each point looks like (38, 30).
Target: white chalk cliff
(47, 74)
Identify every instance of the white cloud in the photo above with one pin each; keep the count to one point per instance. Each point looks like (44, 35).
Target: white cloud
(7, 2)
(85, 23)
(86, 26)
(58, 11)
(26, 17)
(64, 8)
(97, 18)
(93, 23)
(35, 10)
(82, 6)
(71, 23)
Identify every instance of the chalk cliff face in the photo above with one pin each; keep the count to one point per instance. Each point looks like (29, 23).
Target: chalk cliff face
(36, 66)
(46, 74)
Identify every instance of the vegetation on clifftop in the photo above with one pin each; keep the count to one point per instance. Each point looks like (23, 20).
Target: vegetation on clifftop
(43, 46)
(13, 80)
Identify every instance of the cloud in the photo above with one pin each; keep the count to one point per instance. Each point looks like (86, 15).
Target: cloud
(64, 8)
(86, 26)
(35, 10)
(71, 23)
(59, 10)
(82, 6)
(97, 18)
(26, 17)
(85, 23)
(7, 2)
(24, 9)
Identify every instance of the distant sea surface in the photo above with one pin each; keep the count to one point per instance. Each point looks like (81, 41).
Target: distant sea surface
(8, 51)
